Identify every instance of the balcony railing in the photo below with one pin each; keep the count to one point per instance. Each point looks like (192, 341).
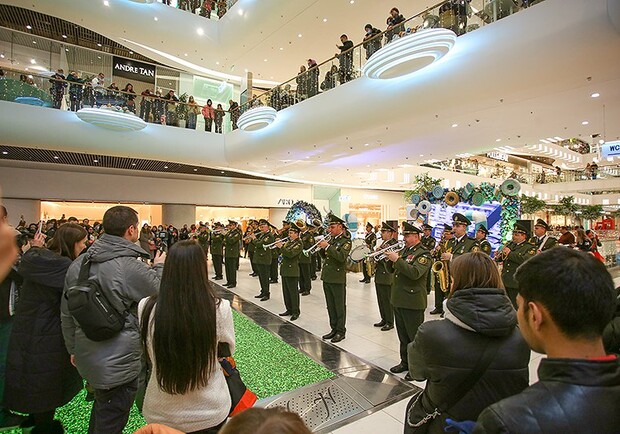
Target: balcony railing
(74, 93)
(210, 9)
(460, 16)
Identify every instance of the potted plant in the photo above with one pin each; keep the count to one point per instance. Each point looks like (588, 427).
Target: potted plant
(182, 109)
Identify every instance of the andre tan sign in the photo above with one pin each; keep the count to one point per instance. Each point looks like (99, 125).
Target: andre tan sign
(133, 70)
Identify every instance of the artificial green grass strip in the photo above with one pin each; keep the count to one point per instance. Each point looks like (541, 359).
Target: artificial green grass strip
(268, 367)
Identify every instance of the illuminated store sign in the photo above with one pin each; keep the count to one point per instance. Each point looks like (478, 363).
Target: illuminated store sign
(498, 156)
(610, 149)
(133, 70)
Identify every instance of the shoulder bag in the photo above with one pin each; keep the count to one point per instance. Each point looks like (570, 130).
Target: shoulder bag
(417, 418)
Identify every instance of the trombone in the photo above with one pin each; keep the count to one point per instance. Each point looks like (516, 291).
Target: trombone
(381, 253)
(274, 244)
(315, 247)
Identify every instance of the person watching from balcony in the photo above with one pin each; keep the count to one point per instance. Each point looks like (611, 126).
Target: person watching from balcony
(313, 78)
(302, 83)
(219, 118)
(372, 42)
(208, 113)
(129, 95)
(395, 25)
(345, 58)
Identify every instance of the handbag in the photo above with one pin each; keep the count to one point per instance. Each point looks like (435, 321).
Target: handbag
(417, 418)
(241, 398)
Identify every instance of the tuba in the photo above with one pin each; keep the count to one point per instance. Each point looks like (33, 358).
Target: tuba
(442, 268)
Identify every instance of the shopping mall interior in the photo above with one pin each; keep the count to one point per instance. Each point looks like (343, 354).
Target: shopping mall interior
(506, 111)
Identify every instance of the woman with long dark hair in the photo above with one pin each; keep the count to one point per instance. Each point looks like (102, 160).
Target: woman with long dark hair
(480, 327)
(39, 373)
(181, 328)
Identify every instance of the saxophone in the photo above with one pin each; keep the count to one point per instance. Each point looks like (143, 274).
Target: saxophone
(442, 268)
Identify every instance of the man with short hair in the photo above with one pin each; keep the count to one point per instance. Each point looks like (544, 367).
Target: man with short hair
(542, 240)
(408, 296)
(567, 238)
(217, 249)
(370, 239)
(345, 58)
(307, 241)
(512, 256)
(231, 253)
(334, 276)
(112, 366)
(566, 298)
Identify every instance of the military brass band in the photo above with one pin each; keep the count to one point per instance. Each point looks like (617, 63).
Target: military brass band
(404, 271)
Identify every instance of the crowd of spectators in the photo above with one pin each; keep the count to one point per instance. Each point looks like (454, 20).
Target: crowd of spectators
(47, 352)
(204, 8)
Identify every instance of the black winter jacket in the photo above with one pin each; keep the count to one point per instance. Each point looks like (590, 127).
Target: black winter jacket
(572, 396)
(39, 374)
(444, 352)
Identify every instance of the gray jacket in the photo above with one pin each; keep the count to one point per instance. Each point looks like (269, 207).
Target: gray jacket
(116, 361)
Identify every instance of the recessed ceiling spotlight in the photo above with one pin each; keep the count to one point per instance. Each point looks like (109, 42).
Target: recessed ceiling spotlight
(165, 167)
(498, 140)
(56, 157)
(156, 19)
(64, 36)
(95, 161)
(222, 171)
(246, 69)
(1, 56)
(130, 52)
(352, 1)
(98, 57)
(265, 60)
(595, 95)
(324, 20)
(29, 27)
(281, 48)
(34, 42)
(195, 170)
(133, 164)
(421, 155)
(34, 62)
(455, 125)
(98, 45)
(299, 35)
(200, 31)
(106, 3)
(585, 123)
(185, 54)
(66, 49)
(5, 153)
(366, 144)
(217, 63)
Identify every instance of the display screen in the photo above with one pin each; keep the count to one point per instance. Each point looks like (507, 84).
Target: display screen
(488, 214)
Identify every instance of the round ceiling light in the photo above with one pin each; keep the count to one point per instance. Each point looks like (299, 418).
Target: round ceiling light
(257, 118)
(409, 53)
(111, 119)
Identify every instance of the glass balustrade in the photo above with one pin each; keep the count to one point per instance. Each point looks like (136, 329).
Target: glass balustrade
(460, 16)
(210, 9)
(73, 93)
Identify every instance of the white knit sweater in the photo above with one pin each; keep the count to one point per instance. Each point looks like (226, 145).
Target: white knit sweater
(199, 409)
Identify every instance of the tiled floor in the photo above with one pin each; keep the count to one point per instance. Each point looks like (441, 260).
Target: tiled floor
(362, 339)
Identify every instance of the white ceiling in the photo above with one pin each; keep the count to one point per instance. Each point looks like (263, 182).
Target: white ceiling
(527, 77)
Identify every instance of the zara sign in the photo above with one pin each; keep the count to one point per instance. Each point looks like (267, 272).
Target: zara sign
(133, 70)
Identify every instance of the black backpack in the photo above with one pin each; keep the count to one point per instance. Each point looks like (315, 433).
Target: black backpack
(91, 308)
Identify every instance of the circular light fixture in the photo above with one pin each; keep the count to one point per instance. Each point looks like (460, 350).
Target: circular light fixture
(156, 19)
(64, 36)
(200, 31)
(5, 153)
(324, 20)
(257, 118)
(111, 119)
(585, 123)
(409, 53)
(595, 95)
(455, 125)
(299, 35)
(29, 27)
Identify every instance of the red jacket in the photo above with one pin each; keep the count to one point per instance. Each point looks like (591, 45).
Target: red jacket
(208, 112)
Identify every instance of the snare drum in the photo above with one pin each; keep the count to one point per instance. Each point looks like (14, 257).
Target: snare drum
(359, 253)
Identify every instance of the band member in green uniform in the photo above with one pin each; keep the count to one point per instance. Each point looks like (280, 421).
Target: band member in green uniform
(217, 249)
(384, 276)
(252, 229)
(275, 253)
(370, 239)
(289, 270)
(512, 255)
(315, 259)
(203, 238)
(231, 253)
(262, 256)
(541, 239)
(334, 277)
(445, 245)
(481, 237)
(411, 265)
(307, 240)
(427, 239)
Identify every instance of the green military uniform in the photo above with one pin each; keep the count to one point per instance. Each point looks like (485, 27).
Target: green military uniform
(485, 246)
(305, 284)
(429, 243)
(384, 277)
(217, 253)
(519, 253)
(231, 255)
(464, 245)
(334, 277)
(262, 259)
(544, 243)
(203, 238)
(409, 291)
(249, 247)
(370, 239)
(289, 270)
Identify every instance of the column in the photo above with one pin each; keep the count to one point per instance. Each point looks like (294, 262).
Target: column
(178, 215)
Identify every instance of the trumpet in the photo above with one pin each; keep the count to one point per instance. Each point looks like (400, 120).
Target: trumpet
(315, 247)
(381, 253)
(220, 231)
(275, 243)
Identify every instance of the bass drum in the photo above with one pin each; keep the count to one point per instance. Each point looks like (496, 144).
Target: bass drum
(359, 253)
(355, 267)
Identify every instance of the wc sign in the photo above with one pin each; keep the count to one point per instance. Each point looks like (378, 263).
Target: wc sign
(610, 149)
